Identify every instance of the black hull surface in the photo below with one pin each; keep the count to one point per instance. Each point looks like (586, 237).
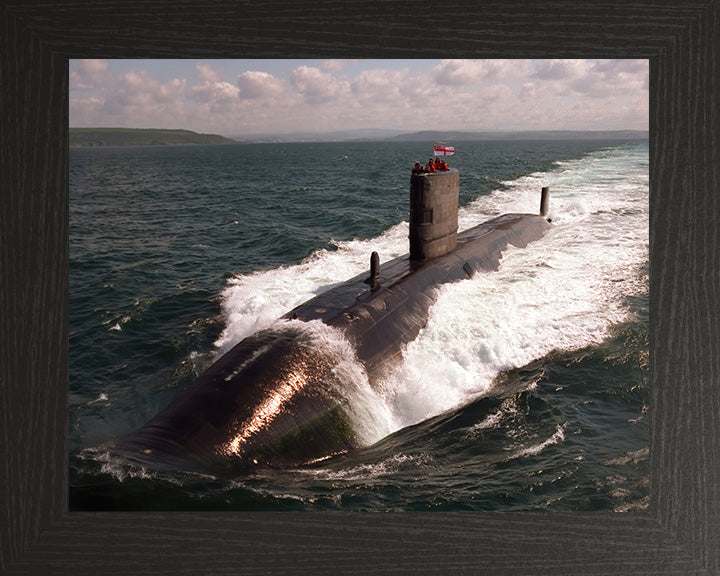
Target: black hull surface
(381, 321)
(276, 399)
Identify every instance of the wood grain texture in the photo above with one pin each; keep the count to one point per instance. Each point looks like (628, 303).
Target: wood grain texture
(680, 534)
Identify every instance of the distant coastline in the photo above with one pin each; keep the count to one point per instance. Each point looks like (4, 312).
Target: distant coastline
(94, 137)
(379, 135)
(528, 135)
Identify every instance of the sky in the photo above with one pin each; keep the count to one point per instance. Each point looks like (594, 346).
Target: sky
(273, 97)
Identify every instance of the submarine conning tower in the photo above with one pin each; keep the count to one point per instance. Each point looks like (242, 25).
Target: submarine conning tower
(433, 213)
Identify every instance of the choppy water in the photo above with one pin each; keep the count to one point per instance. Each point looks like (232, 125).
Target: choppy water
(527, 389)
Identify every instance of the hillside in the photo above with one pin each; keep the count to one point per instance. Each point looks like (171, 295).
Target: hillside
(457, 136)
(140, 137)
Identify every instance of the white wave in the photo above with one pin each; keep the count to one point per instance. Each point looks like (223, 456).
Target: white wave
(490, 422)
(556, 438)
(562, 292)
(370, 416)
(365, 472)
(252, 302)
(101, 398)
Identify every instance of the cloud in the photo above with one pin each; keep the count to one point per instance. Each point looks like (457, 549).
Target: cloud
(215, 92)
(467, 72)
(139, 89)
(555, 70)
(459, 72)
(90, 110)
(595, 79)
(317, 86)
(213, 89)
(333, 65)
(528, 91)
(453, 94)
(378, 85)
(207, 73)
(254, 85)
(137, 95)
(613, 77)
(88, 75)
(496, 92)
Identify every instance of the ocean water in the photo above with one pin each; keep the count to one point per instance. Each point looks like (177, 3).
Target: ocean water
(526, 390)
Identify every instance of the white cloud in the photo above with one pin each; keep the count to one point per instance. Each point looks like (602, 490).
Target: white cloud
(453, 94)
(333, 65)
(215, 92)
(260, 85)
(136, 95)
(88, 75)
(138, 88)
(600, 79)
(459, 72)
(378, 85)
(496, 92)
(528, 91)
(207, 73)
(467, 72)
(90, 110)
(613, 77)
(317, 86)
(555, 70)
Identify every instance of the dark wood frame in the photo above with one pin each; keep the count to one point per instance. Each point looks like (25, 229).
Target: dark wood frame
(679, 534)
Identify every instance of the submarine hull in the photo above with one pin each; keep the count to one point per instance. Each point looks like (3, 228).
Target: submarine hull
(381, 321)
(276, 398)
(273, 399)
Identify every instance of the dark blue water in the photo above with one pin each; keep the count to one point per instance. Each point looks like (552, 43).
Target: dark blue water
(528, 388)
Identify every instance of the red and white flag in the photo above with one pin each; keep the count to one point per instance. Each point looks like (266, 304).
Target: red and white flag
(442, 150)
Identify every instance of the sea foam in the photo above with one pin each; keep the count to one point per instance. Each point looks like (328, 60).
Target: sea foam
(563, 292)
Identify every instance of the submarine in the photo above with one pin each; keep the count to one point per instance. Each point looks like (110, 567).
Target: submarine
(277, 399)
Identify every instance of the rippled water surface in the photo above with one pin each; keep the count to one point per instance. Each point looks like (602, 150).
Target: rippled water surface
(527, 389)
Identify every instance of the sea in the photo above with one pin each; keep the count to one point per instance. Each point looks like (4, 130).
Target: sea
(528, 389)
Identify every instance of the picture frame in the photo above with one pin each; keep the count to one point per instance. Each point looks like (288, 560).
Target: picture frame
(678, 534)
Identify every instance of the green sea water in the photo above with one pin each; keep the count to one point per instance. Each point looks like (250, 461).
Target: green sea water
(527, 390)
